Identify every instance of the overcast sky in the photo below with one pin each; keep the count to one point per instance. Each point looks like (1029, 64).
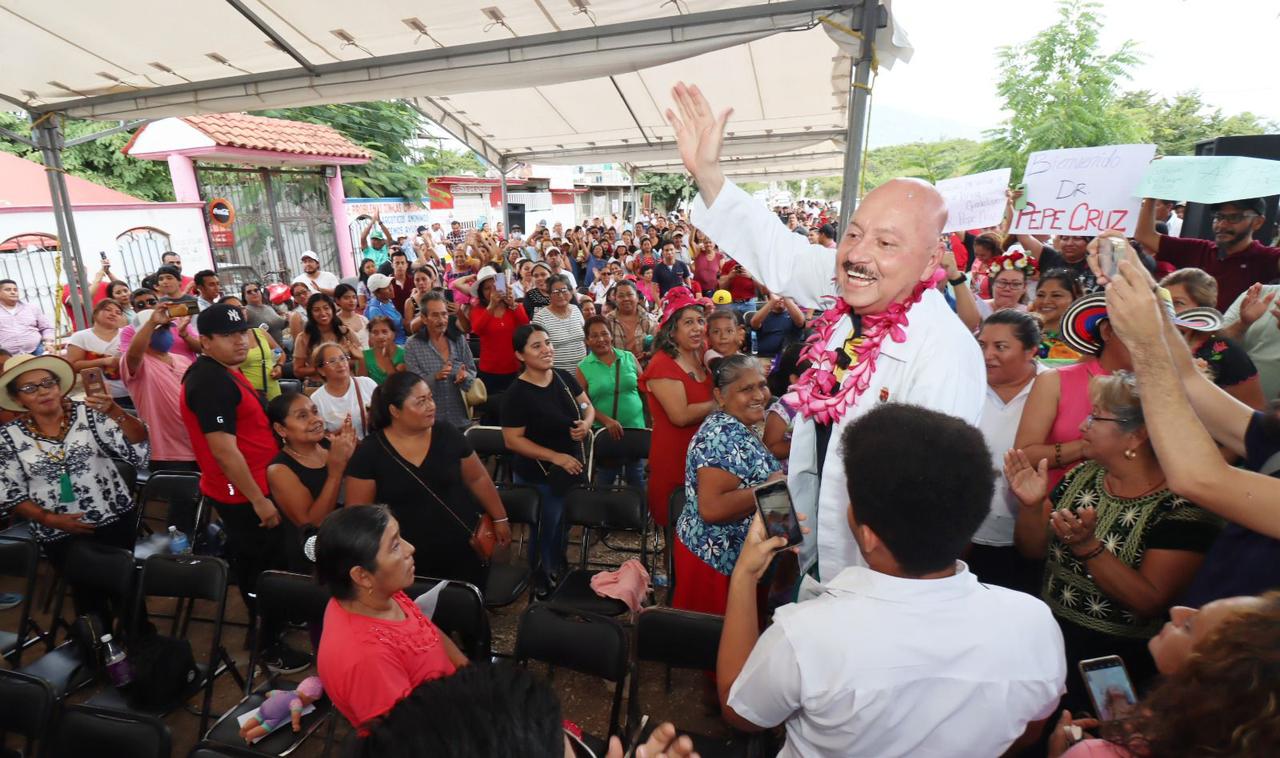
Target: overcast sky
(1227, 49)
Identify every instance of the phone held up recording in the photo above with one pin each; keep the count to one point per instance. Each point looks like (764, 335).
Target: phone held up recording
(777, 511)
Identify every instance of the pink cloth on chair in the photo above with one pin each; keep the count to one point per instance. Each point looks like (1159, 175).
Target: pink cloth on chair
(630, 583)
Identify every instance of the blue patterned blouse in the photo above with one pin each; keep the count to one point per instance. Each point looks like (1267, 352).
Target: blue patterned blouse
(725, 443)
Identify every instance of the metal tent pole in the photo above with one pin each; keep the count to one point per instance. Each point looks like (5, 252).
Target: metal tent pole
(49, 138)
(506, 222)
(859, 95)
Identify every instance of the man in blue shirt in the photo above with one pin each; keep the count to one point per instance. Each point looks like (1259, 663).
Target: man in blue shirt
(381, 304)
(373, 241)
(670, 272)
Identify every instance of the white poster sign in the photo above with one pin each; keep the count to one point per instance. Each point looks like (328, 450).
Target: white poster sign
(1082, 190)
(975, 201)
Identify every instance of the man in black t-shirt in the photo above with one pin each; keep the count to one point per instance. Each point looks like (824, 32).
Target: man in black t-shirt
(233, 443)
(670, 272)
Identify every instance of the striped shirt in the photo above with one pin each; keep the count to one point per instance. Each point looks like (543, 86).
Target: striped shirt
(566, 336)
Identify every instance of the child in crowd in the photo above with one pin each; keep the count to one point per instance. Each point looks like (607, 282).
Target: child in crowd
(725, 332)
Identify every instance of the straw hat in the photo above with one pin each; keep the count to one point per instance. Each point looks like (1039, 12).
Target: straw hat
(21, 364)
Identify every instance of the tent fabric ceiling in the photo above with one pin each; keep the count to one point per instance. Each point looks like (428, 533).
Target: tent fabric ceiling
(524, 80)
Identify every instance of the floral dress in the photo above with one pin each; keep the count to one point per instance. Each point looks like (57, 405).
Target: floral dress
(725, 443)
(1228, 362)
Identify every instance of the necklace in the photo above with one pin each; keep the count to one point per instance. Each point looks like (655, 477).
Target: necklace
(66, 493)
(819, 394)
(298, 457)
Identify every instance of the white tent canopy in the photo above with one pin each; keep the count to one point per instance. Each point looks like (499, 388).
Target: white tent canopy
(568, 81)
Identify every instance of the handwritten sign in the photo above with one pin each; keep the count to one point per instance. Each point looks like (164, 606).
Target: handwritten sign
(1082, 190)
(976, 200)
(1210, 179)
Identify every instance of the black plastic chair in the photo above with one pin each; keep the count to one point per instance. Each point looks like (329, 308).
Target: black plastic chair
(618, 509)
(634, 446)
(681, 640)
(282, 597)
(509, 581)
(110, 571)
(675, 506)
(583, 642)
(186, 578)
(215, 750)
(27, 704)
(173, 488)
(460, 613)
(488, 443)
(85, 731)
(18, 558)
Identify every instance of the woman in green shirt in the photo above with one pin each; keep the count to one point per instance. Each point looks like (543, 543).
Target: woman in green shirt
(383, 357)
(262, 363)
(610, 376)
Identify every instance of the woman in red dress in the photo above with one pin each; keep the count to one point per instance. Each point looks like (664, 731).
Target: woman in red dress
(678, 389)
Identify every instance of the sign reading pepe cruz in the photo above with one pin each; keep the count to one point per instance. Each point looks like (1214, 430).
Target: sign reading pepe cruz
(975, 201)
(221, 212)
(1082, 190)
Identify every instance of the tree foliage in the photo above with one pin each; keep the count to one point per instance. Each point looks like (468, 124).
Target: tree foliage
(1061, 90)
(931, 161)
(392, 132)
(100, 161)
(1175, 125)
(668, 190)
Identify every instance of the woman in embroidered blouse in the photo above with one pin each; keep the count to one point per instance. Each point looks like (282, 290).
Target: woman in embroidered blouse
(725, 460)
(56, 467)
(1119, 545)
(376, 645)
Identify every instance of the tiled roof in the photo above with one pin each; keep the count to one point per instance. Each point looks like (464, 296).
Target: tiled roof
(276, 134)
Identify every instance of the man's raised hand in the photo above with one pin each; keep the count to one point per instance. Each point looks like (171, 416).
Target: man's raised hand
(699, 136)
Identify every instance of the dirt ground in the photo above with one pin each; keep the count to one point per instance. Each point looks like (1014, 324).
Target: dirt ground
(690, 702)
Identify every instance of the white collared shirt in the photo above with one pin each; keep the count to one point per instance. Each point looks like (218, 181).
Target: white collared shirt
(950, 376)
(999, 426)
(883, 666)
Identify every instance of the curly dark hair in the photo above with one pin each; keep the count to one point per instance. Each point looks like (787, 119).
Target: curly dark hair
(1226, 701)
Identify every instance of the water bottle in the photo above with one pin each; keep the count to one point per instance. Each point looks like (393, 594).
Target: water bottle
(178, 542)
(118, 666)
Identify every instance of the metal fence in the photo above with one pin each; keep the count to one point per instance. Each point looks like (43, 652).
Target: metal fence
(33, 262)
(138, 254)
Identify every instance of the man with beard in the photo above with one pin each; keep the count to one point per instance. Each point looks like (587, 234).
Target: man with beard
(1233, 256)
(888, 335)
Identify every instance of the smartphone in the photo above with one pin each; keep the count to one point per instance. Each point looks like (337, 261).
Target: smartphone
(500, 283)
(1110, 251)
(94, 382)
(183, 306)
(103, 255)
(1109, 687)
(777, 512)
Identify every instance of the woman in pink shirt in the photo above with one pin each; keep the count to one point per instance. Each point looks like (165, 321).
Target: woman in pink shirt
(706, 265)
(376, 646)
(152, 372)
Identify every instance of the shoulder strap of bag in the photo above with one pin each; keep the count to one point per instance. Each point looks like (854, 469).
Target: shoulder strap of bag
(617, 381)
(382, 440)
(263, 348)
(364, 414)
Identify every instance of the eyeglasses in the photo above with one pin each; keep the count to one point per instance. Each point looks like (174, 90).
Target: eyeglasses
(1005, 284)
(560, 291)
(332, 361)
(1088, 420)
(31, 389)
(147, 302)
(1231, 218)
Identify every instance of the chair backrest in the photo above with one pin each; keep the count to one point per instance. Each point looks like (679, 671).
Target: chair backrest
(459, 611)
(18, 557)
(486, 440)
(215, 750)
(613, 508)
(633, 446)
(576, 640)
(128, 472)
(291, 597)
(523, 503)
(680, 639)
(26, 705)
(173, 487)
(101, 568)
(202, 577)
(89, 732)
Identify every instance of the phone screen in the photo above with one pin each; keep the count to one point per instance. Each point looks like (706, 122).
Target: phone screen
(1109, 688)
(777, 512)
(500, 283)
(93, 381)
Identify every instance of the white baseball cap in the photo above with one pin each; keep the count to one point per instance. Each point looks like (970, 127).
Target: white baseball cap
(308, 254)
(377, 282)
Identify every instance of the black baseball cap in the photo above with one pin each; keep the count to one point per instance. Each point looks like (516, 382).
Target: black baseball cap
(421, 229)
(169, 269)
(222, 319)
(1256, 204)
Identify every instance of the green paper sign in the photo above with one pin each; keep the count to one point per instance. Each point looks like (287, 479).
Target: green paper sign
(1210, 179)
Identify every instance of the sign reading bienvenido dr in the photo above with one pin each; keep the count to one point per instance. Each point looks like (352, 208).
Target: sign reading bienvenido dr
(1082, 190)
(221, 212)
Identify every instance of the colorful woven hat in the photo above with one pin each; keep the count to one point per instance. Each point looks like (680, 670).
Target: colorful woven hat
(1080, 324)
(1200, 319)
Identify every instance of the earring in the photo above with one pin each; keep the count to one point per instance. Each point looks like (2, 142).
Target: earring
(1130, 454)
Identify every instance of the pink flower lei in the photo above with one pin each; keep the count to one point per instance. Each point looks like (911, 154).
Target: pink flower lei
(817, 394)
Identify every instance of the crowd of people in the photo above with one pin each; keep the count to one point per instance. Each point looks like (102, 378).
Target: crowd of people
(1005, 461)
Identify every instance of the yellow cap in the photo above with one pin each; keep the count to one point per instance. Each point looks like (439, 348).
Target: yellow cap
(722, 297)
